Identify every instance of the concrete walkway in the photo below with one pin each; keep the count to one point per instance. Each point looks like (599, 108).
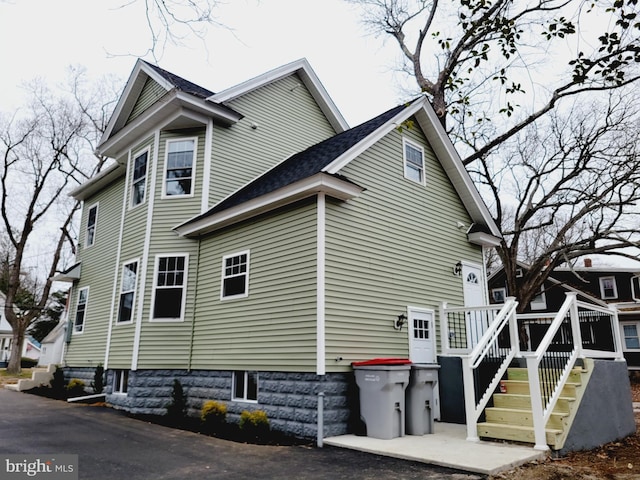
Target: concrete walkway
(447, 447)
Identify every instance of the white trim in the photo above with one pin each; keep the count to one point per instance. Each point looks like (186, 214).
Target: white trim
(95, 226)
(131, 171)
(423, 172)
(615, 287)
(495, 290)
(246, 275)
(135, 291)
(320, 286)
(305, 188)
(84, 317)
(624, 323)
(144, 264)
(206, 167)
(244, 398)
(98, 182)
(194, 162)
(155, 288)
(432, 329)
(117, 379)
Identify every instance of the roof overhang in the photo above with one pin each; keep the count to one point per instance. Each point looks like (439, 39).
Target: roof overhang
(319, 183)
(98, 182)
(69, 275)
(483, 239)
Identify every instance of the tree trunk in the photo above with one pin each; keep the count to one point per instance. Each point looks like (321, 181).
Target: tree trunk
(17, 343)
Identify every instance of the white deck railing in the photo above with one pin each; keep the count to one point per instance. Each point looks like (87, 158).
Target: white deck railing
(487, 340)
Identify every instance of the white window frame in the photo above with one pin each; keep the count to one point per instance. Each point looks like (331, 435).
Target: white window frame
(147, 152)
(624, 337)
(601, 280)
(245, 378)
(635, 293)
(501, 290)
(120, 382)
(193, 166)
(156, 288)
(224, 275)
(90, 239)
(540, 304)
(77, 330)
(408, 143)
(126, 292)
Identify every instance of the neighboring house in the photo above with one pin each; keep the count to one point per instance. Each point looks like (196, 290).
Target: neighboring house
(616, 287)
(52, 346)
(251, 245)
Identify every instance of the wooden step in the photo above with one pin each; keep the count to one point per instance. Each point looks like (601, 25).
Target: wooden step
(516, 433)
(523, 402)
(523, 418)
(522, 374)
(522, 387)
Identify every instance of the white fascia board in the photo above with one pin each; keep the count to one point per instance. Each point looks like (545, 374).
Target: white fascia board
(318, 183)
(98, 182)
(483, 239)
(454, 168)
(343, 160)
(308, 76)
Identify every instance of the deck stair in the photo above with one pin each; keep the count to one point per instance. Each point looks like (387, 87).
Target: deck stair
(510, 417)
(39, 376)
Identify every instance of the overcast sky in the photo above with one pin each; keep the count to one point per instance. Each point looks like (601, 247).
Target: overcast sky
(43, 37)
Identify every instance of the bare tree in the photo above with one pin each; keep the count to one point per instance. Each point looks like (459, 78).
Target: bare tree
(45, 150)
(507, 80)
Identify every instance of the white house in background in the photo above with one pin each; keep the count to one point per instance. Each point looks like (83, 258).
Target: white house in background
(52, 346)
(30, 348)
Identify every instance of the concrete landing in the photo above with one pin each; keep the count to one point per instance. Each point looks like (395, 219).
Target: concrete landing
(447, 447)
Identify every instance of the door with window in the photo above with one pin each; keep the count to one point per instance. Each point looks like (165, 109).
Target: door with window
(473, 291)
(422, 347)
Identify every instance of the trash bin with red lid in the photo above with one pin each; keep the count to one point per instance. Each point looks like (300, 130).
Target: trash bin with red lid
(382, 383)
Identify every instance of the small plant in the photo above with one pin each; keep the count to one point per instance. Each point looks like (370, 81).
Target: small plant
(213, 413)
(75, 387)
(98, 379)
(177, 409)
(57, 383)
(254, 424)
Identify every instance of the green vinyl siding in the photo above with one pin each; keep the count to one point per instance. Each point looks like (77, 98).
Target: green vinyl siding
(287, 121)
(392, 247)
(88, 348)
(274, 328)
(150, 94)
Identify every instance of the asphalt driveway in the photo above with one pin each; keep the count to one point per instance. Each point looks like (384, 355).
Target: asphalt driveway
(111, 445)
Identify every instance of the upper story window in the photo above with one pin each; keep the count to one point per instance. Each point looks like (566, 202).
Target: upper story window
(235, 275)
(92, 220)
(139, 179)
(413, 162)
(539, 302)
(635, 288)
(127, 291)
(608, 288)
(498, 295)
(81, 310)
(631, 336)
(179, 167)
(170, 286)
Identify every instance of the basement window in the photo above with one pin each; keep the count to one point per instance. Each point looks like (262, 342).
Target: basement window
(121, 381)
(245, 386)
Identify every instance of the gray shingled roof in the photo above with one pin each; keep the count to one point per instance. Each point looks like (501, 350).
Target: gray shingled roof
(306, 163)
(182, 84)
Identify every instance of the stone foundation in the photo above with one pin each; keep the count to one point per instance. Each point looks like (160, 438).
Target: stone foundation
(290, 399)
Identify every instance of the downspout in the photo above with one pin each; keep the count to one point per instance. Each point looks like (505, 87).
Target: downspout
(320, 309)
(195, 306)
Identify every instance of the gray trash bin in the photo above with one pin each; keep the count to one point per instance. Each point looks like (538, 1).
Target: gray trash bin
(382, 401)
(420, 398)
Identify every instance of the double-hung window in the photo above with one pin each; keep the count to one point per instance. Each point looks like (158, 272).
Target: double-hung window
(139, 179)
(235, 275)
(631, 336)
(81, 310)
(539, 302)
(179, 168)
(245, 386)
(608, 288)
(127, 291)
(92, 220)
(170, 287)
(414, 162)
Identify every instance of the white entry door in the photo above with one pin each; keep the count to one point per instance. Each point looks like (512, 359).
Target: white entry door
(422, 346)
(473, 290)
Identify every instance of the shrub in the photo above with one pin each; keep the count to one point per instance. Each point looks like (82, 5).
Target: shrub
(254, 424)
(98, 379)
(213, 413)
(26, 362)
(75, 387)
(57, 383)
(177, 409)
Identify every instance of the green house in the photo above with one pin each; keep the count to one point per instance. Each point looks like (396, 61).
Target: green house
(251, 245)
